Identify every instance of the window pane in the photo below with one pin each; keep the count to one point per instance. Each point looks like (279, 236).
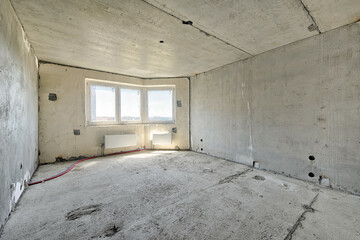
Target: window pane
(130, 105)
(102, 103)
(160, 105)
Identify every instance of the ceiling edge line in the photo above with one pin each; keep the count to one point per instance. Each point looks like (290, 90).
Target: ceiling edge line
(23, 29)
(107, 72)
(277, 48)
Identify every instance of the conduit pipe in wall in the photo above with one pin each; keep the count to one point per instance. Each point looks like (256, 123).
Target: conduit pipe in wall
(79, 161)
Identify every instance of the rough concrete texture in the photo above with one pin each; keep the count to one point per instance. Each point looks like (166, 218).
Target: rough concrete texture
(57, 120)
(330, 14)
(254, 26)
(258, 26)
(18, 110)
(121, 37)
(281, 107)
(178, 195)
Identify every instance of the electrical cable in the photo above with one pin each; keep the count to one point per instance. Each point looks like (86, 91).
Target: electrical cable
(79, 161)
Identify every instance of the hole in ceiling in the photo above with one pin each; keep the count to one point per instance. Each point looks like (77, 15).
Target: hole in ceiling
(311, 158)
(313, 27)
(311, 174)
(187, 22)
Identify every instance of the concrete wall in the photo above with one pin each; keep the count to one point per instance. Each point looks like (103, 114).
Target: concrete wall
(18, 110)
(58, 119)
(280, 107)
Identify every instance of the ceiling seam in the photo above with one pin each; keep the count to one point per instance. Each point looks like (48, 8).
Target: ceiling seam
(206, 33)
(23, 30)
(312, 19)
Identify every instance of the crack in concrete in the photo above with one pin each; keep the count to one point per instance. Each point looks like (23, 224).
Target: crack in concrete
(202, 31)
(234, 176)
(2, 229)
(308, 208)
(315, 25)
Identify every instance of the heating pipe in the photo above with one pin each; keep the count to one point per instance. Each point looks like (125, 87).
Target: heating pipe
(81, 160)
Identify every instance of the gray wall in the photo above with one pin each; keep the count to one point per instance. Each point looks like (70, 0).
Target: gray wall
(57, 120)
(18, 110)
(279, 107)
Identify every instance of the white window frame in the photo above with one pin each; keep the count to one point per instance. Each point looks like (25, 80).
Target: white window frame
(88, 104)
(161, 88)
(143, 102)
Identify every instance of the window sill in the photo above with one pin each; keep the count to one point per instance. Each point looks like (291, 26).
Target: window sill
(129, 124)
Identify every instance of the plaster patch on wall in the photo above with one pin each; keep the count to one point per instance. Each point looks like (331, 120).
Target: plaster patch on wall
(18, 189)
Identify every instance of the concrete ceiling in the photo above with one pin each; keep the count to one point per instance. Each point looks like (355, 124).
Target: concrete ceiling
(124, 36)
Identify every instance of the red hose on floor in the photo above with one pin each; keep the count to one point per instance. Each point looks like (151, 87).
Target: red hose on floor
(79, 161)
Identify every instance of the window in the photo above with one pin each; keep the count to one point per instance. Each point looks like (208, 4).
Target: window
(121, 103)
(160, 105)
(130, 104)
(102, 104)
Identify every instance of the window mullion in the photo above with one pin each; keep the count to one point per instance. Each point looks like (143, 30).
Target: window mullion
(118, 105)
(145, 108)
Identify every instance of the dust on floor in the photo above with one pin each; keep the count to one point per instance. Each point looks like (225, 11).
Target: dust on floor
(178, 195)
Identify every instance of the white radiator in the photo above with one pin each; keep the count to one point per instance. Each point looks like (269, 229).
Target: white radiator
(117, 141)
(161, 139)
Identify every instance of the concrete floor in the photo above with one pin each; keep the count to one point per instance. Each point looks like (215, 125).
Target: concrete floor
(178, 195)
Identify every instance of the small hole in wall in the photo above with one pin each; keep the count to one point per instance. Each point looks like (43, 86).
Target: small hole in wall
(320, 178)
(311, 158)
(161, 41)
(311, 174)
(20, 165)
(201, 149)
(201, 140)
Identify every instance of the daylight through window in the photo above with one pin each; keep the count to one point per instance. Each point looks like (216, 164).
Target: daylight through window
(117, 103)
(103, 104)
(130, 104)
(160, 105)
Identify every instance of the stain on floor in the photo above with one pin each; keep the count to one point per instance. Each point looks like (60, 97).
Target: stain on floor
(82, 211)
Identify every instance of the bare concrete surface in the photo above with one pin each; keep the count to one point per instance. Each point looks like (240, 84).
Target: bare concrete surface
(120, 37)
(124, 36)
(281, 107)
(178, 195)
(18, 110)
